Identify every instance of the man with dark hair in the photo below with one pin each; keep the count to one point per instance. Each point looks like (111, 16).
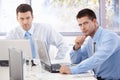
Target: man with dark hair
(97, 49)
(36, 31)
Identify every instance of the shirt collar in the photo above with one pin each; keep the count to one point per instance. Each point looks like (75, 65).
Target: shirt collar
(30, 31)
(97, 34)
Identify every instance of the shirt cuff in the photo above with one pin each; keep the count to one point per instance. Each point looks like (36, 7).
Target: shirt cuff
(74, 48)
(73, 70)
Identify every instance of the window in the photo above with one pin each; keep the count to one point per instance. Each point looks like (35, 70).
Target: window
(61, 14)
(8, 13)
(112, 8)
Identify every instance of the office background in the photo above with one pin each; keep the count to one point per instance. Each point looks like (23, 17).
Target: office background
(61, 13)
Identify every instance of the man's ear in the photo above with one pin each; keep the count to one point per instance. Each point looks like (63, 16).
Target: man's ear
(17, 18)
(95, 20)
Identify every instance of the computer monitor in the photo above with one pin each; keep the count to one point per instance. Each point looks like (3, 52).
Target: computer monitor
(22, 44)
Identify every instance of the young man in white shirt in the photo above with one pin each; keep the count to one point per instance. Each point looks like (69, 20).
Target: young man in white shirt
(38, 31)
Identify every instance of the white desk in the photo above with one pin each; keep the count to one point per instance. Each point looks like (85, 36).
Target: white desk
(37, 74)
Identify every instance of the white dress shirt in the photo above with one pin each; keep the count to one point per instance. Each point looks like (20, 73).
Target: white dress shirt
(42, 32)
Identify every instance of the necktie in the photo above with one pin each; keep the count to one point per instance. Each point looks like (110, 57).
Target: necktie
(28, 36)
(93, 47)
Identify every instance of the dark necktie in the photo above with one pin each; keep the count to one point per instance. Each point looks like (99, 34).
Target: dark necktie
(28, 36)
(93, 47)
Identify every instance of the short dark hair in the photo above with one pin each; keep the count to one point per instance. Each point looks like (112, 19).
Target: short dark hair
(24, 8)
(86, 12)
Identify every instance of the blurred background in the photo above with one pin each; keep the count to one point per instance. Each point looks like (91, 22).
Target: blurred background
(61, 14)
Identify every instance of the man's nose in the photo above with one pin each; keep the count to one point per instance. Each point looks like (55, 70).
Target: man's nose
(25, 21)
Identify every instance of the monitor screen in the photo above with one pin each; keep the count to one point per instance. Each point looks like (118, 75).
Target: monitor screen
(22, 44)
(43, 52)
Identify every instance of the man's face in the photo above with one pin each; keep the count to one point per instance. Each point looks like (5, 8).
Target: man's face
(25, 19)
(87, 26)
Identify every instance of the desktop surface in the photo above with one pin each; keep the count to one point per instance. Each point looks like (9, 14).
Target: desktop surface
(37, 73)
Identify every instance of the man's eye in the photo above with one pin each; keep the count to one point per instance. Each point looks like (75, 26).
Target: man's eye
(28, 18)
(21, 18)
(80, 24)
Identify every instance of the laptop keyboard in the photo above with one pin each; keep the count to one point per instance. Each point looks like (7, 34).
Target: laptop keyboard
(56, 66)
(4, 63)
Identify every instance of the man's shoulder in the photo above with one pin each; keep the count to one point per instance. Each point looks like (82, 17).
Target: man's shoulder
(108, 32)
(17, 28)
(42, 25)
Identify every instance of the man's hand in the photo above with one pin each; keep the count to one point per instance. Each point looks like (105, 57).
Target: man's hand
(65, 69)
(79, 41)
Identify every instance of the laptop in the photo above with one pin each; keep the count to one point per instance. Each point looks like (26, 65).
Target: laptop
(21, 44)
(15, 64)
(45, 58)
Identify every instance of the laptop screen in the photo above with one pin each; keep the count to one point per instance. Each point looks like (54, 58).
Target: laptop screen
(21, 44)
(43, 52)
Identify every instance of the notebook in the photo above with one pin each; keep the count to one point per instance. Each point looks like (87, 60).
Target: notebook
(45, 58)
(15, 64)
(21, 44)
